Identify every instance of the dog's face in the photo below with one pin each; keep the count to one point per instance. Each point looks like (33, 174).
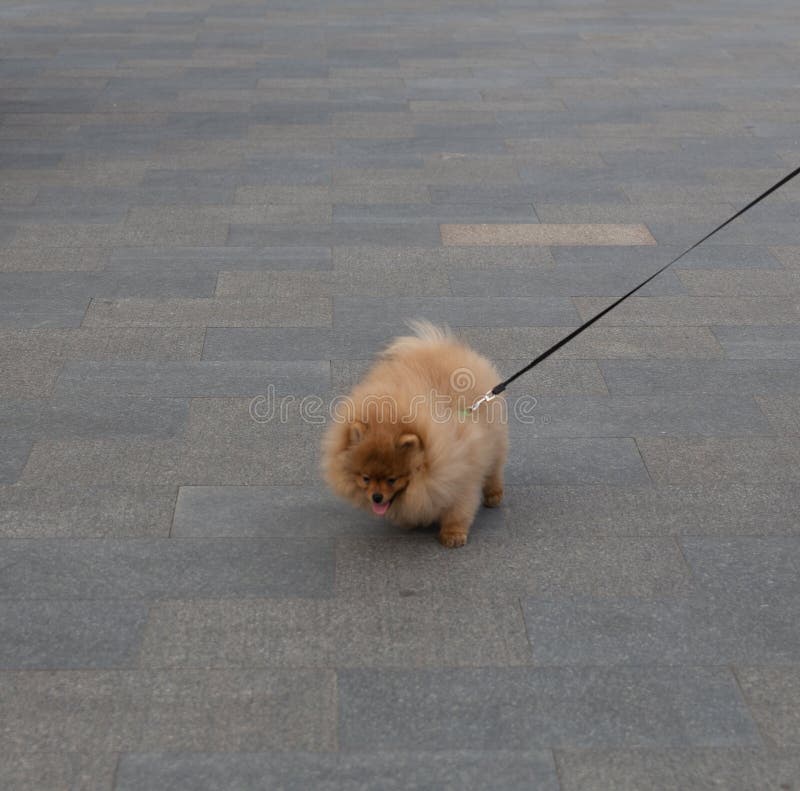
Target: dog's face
(383, 463)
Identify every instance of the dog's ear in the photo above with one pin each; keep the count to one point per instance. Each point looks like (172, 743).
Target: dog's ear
(409, 442)
(357, 431)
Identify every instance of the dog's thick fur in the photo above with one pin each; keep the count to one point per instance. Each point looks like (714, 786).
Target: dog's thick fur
(407, 441)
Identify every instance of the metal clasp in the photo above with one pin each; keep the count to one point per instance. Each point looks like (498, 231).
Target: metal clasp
(484, 399)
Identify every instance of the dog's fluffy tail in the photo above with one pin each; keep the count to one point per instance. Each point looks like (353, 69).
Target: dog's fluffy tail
(424, 332)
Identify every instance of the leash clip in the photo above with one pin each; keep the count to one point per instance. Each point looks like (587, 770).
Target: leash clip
(484, 399)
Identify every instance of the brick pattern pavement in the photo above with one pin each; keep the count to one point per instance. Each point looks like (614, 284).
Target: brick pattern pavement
(201, 200)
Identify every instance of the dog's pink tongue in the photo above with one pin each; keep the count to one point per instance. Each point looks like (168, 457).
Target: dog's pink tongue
(380, 508)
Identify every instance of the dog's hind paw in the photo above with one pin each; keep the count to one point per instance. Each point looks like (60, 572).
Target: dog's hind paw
(492, 496)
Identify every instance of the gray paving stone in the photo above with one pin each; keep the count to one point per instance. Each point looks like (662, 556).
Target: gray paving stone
(29, 285)
(764, 567)
(365, 258)
(759, 343)
(789, 256)
(773, 696)
(106, 344)
(573, 185)
(620, 416)
(741, 283)
(352, 771)
(754, 460)
(15, 449)
(232, 441)
(32, 359)
(405, 280)
(698, 630)
(113, 710)
(150, 568)
(47, 234)
(358, 153)
(737, 769)
(497, 560)
(299, 511)
(391, 314)
(215, 259)
(574, 212)
(440, 169)
(192, 379)
(244, 710)
(352, 233)
(524, 708)
(719, 508)
(519, 193)
(745, 233)
(409, 212)
(398, 632)
(61, 712)
(686, 310)
(783, 413)
(233, 312)
(90, 415)
(39, 312)
(129, 462)
(538, 460)
(52, 259)
(291, 343)
(49, 510)
(60, 771)
(745, 376)
(55, 634)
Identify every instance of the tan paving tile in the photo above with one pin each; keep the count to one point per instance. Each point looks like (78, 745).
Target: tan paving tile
(546, 234)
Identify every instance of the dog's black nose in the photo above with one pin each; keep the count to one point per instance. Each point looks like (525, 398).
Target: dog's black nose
(377, 497)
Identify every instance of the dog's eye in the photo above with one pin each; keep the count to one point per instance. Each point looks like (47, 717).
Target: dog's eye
(365, 478)
(391, 481)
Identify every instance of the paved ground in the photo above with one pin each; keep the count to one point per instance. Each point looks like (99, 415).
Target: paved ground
(202, 201)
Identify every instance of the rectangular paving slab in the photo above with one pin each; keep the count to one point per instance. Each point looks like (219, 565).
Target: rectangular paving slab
(150, 568)
(39, 635)
(737, 769)
(195, 379)
(496, 560)
(452, 770)
(411, 631)
(697, 630)
(528, 707)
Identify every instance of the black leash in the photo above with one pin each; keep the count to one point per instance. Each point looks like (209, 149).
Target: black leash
(497, 389)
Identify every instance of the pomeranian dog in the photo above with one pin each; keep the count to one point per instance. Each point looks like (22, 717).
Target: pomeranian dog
(405, 445)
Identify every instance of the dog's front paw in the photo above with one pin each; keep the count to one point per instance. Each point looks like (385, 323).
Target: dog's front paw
(492, 496)
(452, 538)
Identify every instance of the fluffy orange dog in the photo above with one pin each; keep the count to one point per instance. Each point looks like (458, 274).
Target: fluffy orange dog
(407, 449)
